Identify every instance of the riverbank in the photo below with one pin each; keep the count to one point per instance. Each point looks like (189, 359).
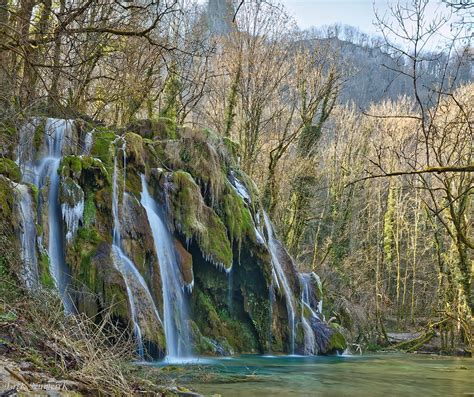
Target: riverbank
(43, 350)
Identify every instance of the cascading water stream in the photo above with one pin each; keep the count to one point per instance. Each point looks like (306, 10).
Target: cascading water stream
(131, 276)
(230, 290)
(28, 238)
(281, 279)
(42, 173)
(309, 338)
(306, 280)
(175, 312)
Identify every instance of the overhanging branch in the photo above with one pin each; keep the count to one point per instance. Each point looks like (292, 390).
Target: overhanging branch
(429, 170)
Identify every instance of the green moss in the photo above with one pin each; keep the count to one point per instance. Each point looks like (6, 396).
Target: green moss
(209, 312)
(71, 165)
(196, 154)
(74, 166)
(236, 332)
(35, 192)
(236, 216)
(337, 342)
(134, 183)
(215, 243)
(165, 128)
(232, 148)
(90, 211)
(89, 235)
(86, 246)
(102, 145)
(39, 134)
(134, 149)
(46, 279)
(6, 200)
(10, 169)
(195, 220)
(116, 297)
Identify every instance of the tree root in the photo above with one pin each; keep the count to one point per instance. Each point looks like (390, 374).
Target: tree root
(414, 344)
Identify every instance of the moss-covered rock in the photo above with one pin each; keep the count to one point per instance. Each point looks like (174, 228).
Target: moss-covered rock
(236, 216)
(193, 153)
(337, 342)
(10, 169)
(194, 219)
(102, 147)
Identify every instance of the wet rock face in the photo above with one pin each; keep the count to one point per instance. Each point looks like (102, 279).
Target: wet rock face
(138, 244)
(186, 264)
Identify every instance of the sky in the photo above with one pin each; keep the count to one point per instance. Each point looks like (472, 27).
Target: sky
(358, 13)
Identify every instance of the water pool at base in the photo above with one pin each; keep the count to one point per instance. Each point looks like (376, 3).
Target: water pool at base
(367, 375)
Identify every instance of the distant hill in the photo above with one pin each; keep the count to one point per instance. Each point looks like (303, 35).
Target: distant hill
(370, 73)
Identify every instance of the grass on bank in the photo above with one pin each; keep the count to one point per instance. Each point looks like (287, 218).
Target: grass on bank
(95, 354)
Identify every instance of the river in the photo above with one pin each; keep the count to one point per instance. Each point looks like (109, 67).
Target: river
(389, 374)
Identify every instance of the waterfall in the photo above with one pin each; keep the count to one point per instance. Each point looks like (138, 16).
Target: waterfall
(281, 279)
(29, 271)
(271, 299)
(309, 339)
(135, 284)
(230, 290)
(88, 140)
(72, 214)
(175, 313)
(240, 188)
(42, 172)
(311, 309)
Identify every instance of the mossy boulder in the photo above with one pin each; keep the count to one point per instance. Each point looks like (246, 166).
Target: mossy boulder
(135, 151)
(337, 342)
(208, 346)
